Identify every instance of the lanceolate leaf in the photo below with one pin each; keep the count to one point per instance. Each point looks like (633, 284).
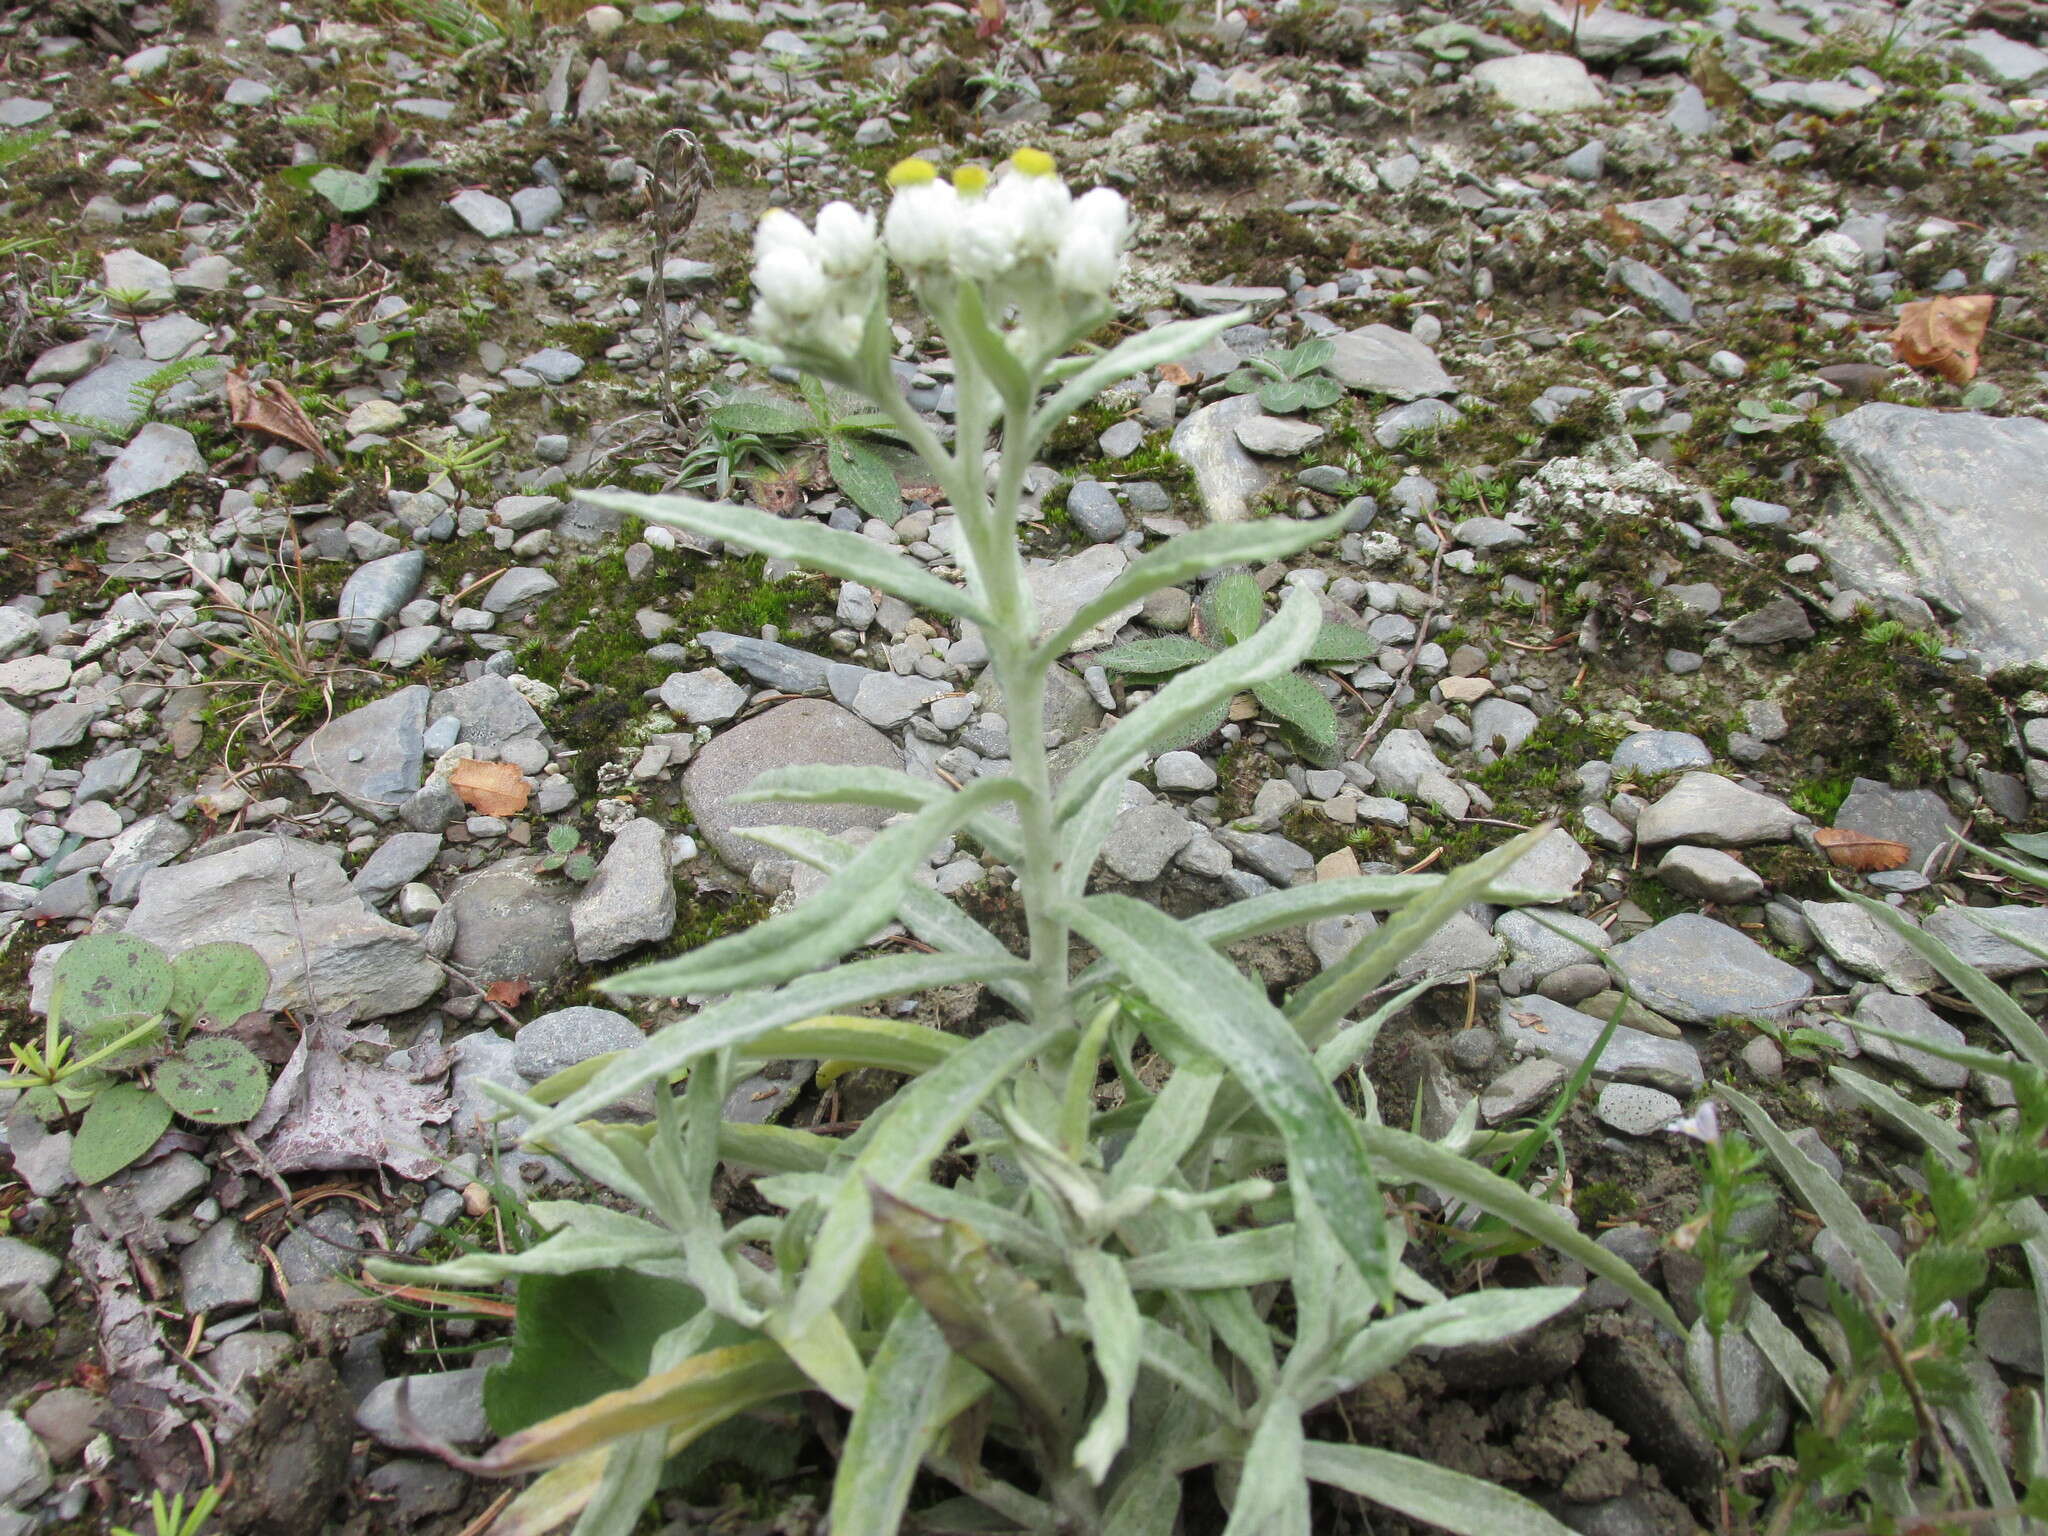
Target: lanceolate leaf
(760, 417)
(1340, 642)
(896, 1421)
(1299, 704)
(866, 479)
(1116, 1328)
(1224, 1013)
(1189, 697)
(740, 1019)
(1427, 1492)
(1237, 606)
(1272, 1492)
(1164, 344)
(1156, 655)
(799, 539)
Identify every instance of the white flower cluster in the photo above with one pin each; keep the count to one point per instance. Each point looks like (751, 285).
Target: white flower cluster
(813, 289)
(1022, 236)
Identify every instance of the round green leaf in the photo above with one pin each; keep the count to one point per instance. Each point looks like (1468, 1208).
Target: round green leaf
(347, 191)
(123, 1123)
(105, 974)
(563, 839)
(214, 1081)
(221, 981)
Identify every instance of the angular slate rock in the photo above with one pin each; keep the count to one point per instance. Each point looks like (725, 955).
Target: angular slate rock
(1533, 1025)
(1695, 970)
(370, 757)
(1383, 361)
(1706, 808)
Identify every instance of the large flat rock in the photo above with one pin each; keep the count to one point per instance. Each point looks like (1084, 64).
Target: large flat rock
(1950, 508)
(1696, 970)
(801, 731)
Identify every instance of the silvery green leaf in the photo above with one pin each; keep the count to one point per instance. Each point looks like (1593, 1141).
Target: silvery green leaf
(1237, 605)
(1188, 555)
(1169, 1354)
(1163, 344)
(896, 1421)
(740, 1019)
(1805, 1376)
(1479, 1317)
(1402, 1156)
(632, 1476)
(1169, 1130)
(890, 788)
(1825, 1198)
(927, 914)
(1296, 702)
(763, 418)
(1317, 1006)
(1312, 354)
(1115, 1327)
(1273, 650)
(1422, 1490)
(1081, 837)
(1155, 655)
(1272, 1490)
(855, 904)
(901, 1139)
(1336, 642)
(1251, 1257)
(891, 1044)
(865, 478)
(1283, 396)
(1354, 1042)
(1146, 1503)
(1220, 1009)
(584, 1237)
(800, 539)
(774, 1148)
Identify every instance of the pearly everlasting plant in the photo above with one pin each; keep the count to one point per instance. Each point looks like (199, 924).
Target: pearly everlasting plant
(1057, 1318)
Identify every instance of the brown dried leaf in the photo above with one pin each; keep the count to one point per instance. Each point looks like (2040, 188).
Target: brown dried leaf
(1173, 373)
(1944, 336)
(990, 14)
(490, 789)
(509, 994)
(1619, 228)
(267, 406)
(1847, 848)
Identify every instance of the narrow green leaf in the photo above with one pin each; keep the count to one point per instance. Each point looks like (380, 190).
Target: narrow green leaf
(890, 1044)
(1422, 1490)
(1272, 1488)
(763, 418)
(1273, 650)
(1170, 1129)
(1341, 643)
(1904, 1116)
(1479, 1317)
(866, 479)
(1414, 1158)
(901, 1139)
(802, 540)
(890, 788)
(1116, 1329)
(1237, 605)
(735, 1022)
(895, 1424)
(1156, 655)
(1187, 555)
(1296, 702)
(1229, 1017)
(1163, 344)
(1825, 1198)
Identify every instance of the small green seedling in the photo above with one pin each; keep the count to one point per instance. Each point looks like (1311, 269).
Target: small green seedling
(111, 996)
(1290, 380)
(861, 474)
(565, 853)
(348, 191)
(1232, 612)
(174, 1519)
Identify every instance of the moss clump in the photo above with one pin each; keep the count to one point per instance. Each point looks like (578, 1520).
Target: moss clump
(1261, 243)
(1886, 712)
(1201, 156)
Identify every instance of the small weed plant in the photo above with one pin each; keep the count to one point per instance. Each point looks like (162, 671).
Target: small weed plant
(1290, 379)
(1076, 1300)
(862, 475)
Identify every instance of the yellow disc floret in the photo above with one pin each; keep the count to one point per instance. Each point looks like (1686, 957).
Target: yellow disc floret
(970, 179)
(1032, 162)
(912, 173)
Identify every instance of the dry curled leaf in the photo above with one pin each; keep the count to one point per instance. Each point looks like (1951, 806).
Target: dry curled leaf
(490, 789)
(1173, 373)
(1863, 852)
(1944, 336)
(328, 1111)
(1619, 228)
(509, 993)
(267, 406)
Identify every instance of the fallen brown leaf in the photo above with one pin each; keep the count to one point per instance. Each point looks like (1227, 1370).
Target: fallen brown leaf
(1619, 227)
(490, 789)
(1863, 852)
(267, 406)
(1944, 336)
(511, 993)
(1174, 374)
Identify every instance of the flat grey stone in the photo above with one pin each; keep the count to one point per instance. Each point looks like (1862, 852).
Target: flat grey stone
(157, 457)
(141, 283)
(23, 112)
(1653, 288)
(1227, 478)
(1383, 361)
(1543, 83)
(631, 900)
(1404, 763)
(1552, 869)
(556, 1041)
(1695, 970)
(1827, 98)
(107, 394)
(1533, 1025)
(145, 844)
(1395, 426)
(1460, 948)
(370, 758)
(1705, 808)
(1061, 587)
(518, 591)
(1777, 622)
(400, 858)
(1861, 943)
(1525, 1087)
(553, 365)
(1502, 725)
(1948, 508)
(1909, 1016)
(885, 699)
(219, 1272)
(489, 216)
(704, 697)
(452, 1402)
(801, 731)
(1745, 1380)
(1651, 753)
(507, 921)
(1541, 940)
(1094, 510)
(1183, 771)
(2009, 1328)
(24, 1465)
(538, 207)
(26, 1273)
(781, 667)
(489, 713)
(2002, 60)
(1606, 33)
(1707, 874)
(289, 900)
(1144, 840)
(1283, 862)
(1634, 1110)
(1209, 299)
(1972, 932)
(1278, 436)
(373, 594)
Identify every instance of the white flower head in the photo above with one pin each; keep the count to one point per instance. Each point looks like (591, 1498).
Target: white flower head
(791, 281)
(923, 218)
(780, 229)
(845, 240)
(1038, 201)
(1703, 1124)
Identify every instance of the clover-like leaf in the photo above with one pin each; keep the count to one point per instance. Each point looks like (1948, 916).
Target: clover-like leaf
(215, 1081)
(220, 981)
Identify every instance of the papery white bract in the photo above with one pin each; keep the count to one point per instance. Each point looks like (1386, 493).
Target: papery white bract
(845, 240)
